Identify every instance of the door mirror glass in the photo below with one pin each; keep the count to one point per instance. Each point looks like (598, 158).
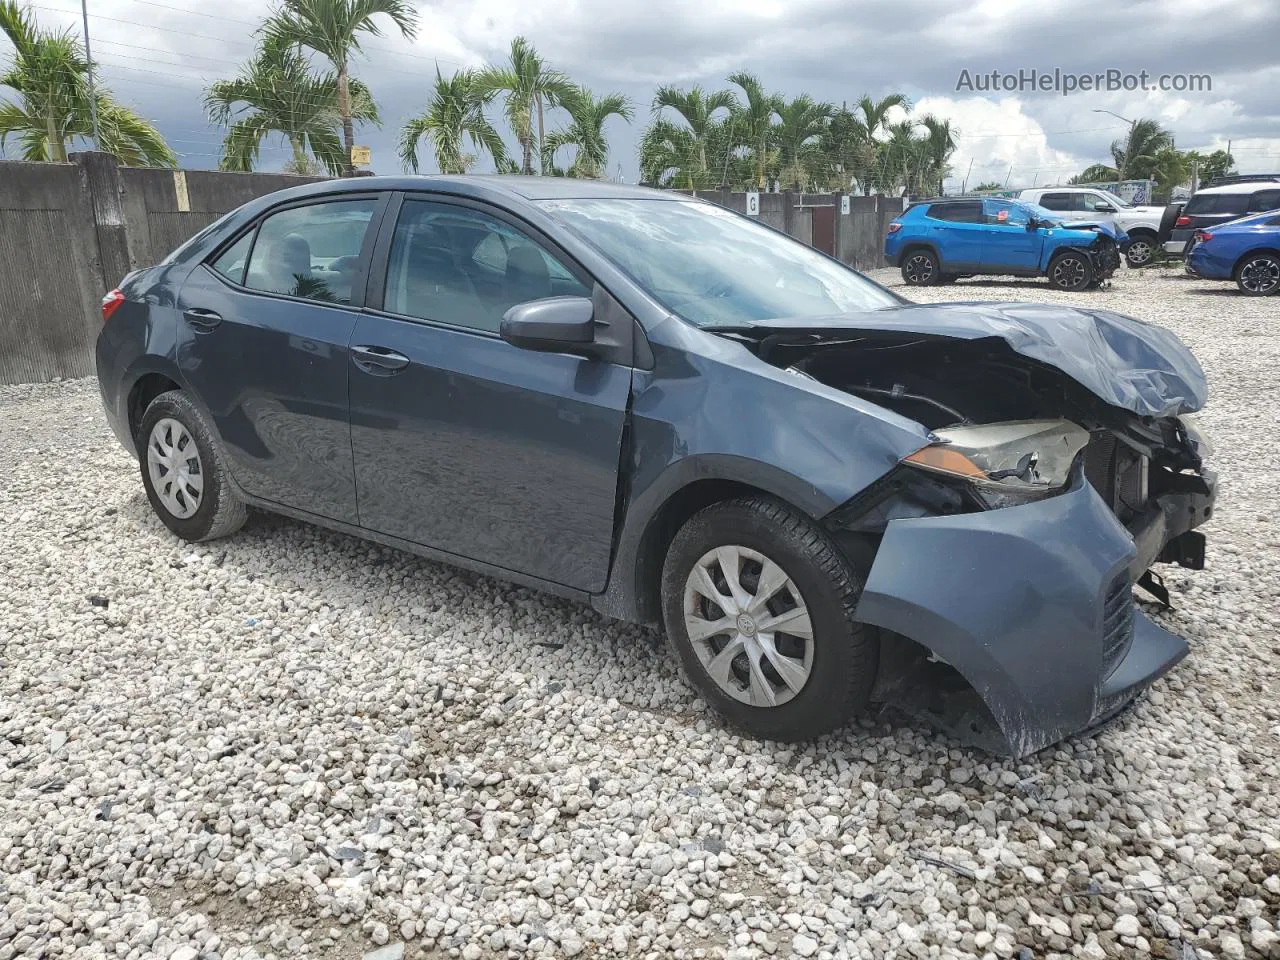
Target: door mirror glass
(553, 325)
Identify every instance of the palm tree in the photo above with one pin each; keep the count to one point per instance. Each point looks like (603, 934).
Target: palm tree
(332, 28)
(939, 144)
(802, 122)
(587, 117)
(455, 112)
(529, 87)
(277, 93)
(874, 119)
(1135, 154)
(848, 152)
(50, 74)
(754, 120)
(1096, 173)
(681, 154)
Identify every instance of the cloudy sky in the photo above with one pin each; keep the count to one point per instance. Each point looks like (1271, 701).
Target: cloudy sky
(158, 55)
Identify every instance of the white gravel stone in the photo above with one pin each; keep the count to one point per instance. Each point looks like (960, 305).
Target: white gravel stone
(295, 737)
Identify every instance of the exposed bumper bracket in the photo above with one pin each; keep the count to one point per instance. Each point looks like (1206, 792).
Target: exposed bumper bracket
(1153, 583)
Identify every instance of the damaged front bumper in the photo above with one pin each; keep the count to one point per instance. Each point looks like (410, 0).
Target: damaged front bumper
(1032, 606)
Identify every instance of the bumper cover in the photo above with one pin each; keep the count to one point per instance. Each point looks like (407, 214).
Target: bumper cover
(1014, 601)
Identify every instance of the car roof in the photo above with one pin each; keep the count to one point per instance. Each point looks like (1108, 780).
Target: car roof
(493, 186)
(1249, 186)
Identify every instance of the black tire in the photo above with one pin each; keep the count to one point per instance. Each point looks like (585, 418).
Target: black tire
(1142, 249)
(1071, 270)
(1167, 220)
(946, 278)
(1258, 274)
(920, 267)
(844, 653)
(219, 511)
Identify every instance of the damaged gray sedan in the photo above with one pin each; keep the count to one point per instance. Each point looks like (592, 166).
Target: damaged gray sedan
(829, 496)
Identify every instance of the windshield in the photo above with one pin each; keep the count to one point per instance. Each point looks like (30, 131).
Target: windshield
(1115, 201)
(715, 268)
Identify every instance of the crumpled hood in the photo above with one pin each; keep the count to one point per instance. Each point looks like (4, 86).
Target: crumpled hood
(1127, 363)
(1101, 226)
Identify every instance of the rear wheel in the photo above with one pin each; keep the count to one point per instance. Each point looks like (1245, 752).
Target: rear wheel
(920, 268)
(1071, 270)
(758, 603)
(183, 471)
(1259, 275)
(1142, 249)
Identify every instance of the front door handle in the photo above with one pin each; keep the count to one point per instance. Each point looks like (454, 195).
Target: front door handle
(378, 359)
(202, 319)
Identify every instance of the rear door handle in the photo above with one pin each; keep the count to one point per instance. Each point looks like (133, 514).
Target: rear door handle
(378, 359)
(202, 319)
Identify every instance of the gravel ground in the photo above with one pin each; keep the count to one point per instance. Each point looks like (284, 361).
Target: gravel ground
(294, 743)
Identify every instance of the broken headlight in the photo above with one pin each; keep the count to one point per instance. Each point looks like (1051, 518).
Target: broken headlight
(1006, 463)
(1196, 435)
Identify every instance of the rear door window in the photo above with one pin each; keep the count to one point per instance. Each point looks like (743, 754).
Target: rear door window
(311, 252)
(1056, 201)
(969, 211)
(233, 260)
(1210, 204)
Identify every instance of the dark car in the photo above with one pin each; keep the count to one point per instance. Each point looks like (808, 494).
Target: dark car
(1216, 205)
(937, 241)
(671, 412)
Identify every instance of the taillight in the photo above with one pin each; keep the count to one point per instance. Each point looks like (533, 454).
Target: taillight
(111, 303)
(1202, 237)
(1183, 221)
(894, 226)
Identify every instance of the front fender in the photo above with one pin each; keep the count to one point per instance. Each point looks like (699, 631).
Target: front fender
(711, 410)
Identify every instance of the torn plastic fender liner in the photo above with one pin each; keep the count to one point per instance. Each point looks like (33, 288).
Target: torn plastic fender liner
(1013, 600)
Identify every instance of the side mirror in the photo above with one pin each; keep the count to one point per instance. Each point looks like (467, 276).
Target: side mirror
(1104, 208)
(1034, 224)
(553, 325)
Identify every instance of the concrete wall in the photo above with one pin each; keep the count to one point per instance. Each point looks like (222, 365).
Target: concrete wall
(859, 235)
(70, 231)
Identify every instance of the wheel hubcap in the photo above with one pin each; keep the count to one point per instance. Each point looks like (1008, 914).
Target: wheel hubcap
(173, 462)
(1139, 252)
(1068, 273)
(919, 269)
(749, 626)
(1260, 276)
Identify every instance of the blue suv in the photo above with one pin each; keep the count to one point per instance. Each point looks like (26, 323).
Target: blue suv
(938, 241)
(1245, 250)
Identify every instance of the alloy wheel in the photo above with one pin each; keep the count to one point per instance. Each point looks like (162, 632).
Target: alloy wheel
(1069, 272)
(1261, 275)
(173, 461)
(1139, 253)
(749, 626)
(919, 269)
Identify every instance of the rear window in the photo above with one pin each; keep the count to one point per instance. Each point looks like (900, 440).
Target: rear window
(1217, 203)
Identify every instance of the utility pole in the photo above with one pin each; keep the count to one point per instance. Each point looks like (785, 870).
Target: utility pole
(1128, 144)
(93, 96)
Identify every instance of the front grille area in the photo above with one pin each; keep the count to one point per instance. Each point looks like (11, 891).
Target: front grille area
(1117, 622)
(1118, 473)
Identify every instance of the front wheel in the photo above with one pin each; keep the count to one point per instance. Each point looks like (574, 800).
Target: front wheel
(1071, 271)
(184, 473)
(1259, 275)
(920, 268)
(759, 606)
